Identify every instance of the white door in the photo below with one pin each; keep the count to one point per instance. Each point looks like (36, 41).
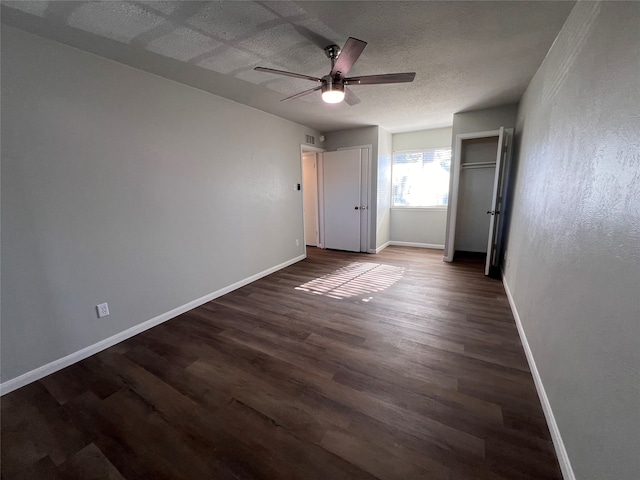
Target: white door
(496, 204)
(310, 197)
(342, 201)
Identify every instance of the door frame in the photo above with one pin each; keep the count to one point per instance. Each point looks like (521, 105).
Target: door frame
(503, 197)
(449, 246)
(309, 149)
(365, 232)
(495, 220)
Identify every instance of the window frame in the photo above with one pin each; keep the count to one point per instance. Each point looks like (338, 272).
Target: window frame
(421, 150)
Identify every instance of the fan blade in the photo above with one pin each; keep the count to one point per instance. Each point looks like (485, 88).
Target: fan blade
(287, 74)
(302, 94)
(350, 97)
(348, 56)
(378, 79)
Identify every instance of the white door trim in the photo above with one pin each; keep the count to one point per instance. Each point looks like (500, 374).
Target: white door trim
(310, 195)
(307, 148)
(496, 201)
(449, 247)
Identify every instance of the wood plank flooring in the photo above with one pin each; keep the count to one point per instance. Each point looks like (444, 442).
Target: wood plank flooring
(342, 366)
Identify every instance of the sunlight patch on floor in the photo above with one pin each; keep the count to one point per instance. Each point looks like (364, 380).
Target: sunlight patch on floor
(358, 278)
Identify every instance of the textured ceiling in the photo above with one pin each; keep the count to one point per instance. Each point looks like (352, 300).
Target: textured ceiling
(467, 55)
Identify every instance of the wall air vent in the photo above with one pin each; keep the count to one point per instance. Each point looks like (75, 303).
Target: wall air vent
(311, 140)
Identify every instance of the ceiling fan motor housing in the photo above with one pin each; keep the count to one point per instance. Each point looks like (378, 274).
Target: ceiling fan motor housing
(330, 83)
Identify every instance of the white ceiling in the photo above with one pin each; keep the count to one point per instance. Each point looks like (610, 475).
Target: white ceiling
(467, 55)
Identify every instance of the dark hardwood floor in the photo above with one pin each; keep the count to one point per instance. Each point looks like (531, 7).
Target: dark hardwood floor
(342, 366)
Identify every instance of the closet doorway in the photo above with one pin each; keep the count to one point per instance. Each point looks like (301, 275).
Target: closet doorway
(478, 188)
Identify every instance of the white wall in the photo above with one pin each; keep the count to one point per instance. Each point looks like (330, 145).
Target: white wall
(573, 253)
(420, 226)
(123, 187)
(358, 137)
(473, 122)
(421, 139)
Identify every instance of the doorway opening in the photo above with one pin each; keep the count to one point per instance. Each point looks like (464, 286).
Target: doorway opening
(336, 198)
(310, 198)
(310, 163)
(480, 171)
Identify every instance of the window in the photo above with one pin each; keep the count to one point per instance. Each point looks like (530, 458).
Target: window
(421, 178)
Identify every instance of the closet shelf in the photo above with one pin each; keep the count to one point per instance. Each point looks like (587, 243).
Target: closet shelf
(477, 165)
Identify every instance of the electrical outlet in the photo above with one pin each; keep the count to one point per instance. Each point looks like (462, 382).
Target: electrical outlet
(103, 310)
(297, 242)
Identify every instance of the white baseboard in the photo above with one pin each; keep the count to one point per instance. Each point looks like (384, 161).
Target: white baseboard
(49, 368)
(418, 245)
(561, 452)
(380, 248)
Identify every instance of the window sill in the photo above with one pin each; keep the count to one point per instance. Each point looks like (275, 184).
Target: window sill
(419, 209)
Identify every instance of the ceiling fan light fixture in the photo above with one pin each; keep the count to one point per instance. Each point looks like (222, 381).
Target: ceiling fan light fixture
(333, 85)
(333, 93)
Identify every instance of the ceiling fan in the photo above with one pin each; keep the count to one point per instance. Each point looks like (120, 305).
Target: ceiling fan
(334, 85)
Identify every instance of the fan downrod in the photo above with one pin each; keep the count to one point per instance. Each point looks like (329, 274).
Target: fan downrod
(332, 51)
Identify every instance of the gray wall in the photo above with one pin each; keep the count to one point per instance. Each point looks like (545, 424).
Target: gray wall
(573, 254)
(123, 187)
(420, 139)
(483, 120)
(357, 137)
(422, 226)
(418, 226)
(383, 216)
(473, 122)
